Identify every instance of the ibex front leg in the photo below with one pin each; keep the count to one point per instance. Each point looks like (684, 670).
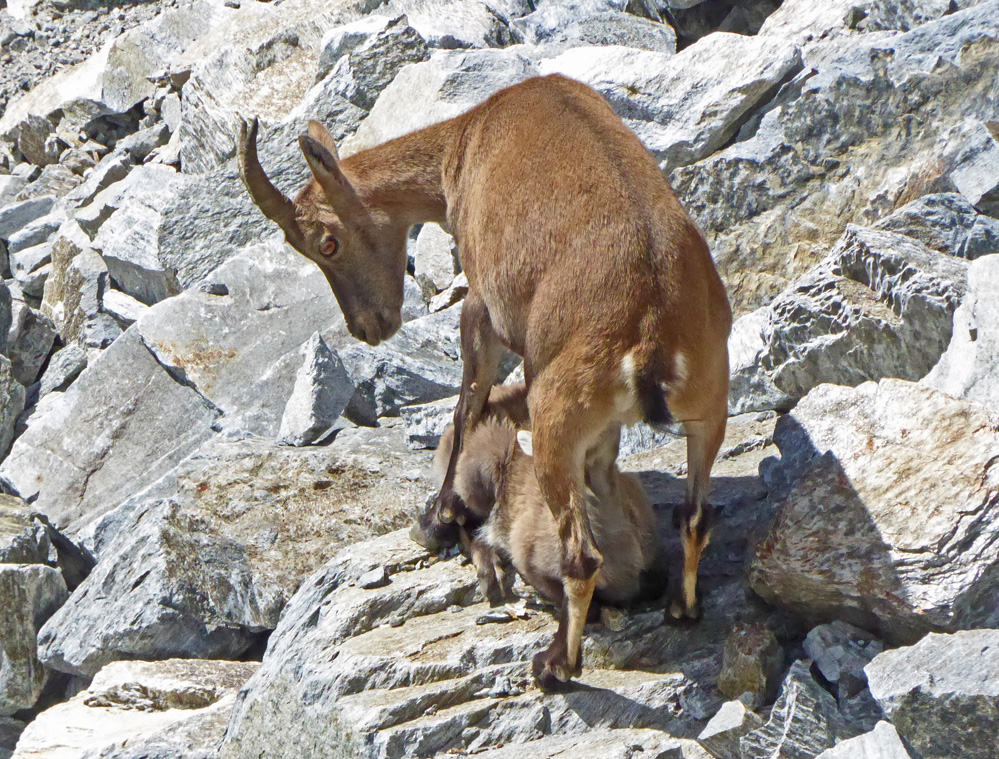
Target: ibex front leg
(481, 350)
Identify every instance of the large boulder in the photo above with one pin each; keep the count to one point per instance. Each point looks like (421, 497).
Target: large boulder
(29, 595)
(448, 84)
(970, 367)
(886, 507)
(686, 106)
(12, 398)
(880, 743)
(205, 561)
(123, 424)
(141, 709)
(880, 305)
(948, 223)
(846, 142)
(456, 684)
(942, 694)
(30, 341)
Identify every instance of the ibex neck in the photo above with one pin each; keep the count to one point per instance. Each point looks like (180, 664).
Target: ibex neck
(403, 176)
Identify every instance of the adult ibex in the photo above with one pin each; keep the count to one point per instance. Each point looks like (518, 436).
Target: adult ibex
(495, 479)
(579, 258)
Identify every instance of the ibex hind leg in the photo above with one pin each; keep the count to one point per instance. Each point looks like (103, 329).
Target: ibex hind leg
(567, 418)
(696, 515)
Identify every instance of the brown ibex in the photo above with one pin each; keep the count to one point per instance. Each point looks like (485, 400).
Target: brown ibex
(579, 258)
(495, 479)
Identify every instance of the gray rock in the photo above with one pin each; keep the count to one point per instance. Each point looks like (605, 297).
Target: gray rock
(448, 84)
(227, 538)
(426, 422)
(114, 167)
(23, 537)
(362, 68)
(803, 723)
(451, 24)
(30, 139)
(881, 743)
(10, 731)
(453, 295)
(55, 179)
(942, 694)
(154, 710)
(29, 342)
(64, 366)
(128, 243)
(322, 390)
(721, 735)
(152, 185)
(841, 651)
(458, 684)
(555, 23)
(125, 309)
(413, 304)
(622, 743)
(793, 185)
(242, 350)
(947, 223)
(883, 541)
(11, 404)
(132, 422)
(969, 369)
(74, 293)
(752, 664)
(10, 186)
(804, 22)
(17, 216)
(149, 48)
(34, 233)
(6, 316)
(26, 263)
(29, 593)
(976, 168)
(641, 437)
(140, 144)
(687, 106)
(421, 363)
(880, 305)
(435, 257)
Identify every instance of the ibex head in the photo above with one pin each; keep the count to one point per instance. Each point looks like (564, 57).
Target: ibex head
(359, 248)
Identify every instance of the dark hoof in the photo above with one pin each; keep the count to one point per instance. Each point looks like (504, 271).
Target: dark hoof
(677, 612)
(433, 535)
(552, 673)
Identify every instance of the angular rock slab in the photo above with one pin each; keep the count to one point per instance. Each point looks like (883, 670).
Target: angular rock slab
(685, 106)
(238, 340)
(602, 744)
(24, 539)
(772, 205)
(880, 305)
(802, 723)
(970, 367)
(140, 709)
(11, 404)
(409, 669)
(942, 694)
(947, 223)
(121, 425)
(877, 521)
(29, 595)
(208, 558)
(321, 392)
(881, 743)
(721, 735)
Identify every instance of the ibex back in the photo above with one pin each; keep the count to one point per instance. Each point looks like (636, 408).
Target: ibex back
(579, 258)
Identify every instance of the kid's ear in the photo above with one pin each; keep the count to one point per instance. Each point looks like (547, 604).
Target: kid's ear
(526, 441)
(322, 135)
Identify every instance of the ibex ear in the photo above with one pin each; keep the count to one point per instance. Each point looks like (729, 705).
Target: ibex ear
(322, 135)
(326, 169)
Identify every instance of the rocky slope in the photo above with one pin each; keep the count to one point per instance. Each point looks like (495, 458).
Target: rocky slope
(205, 483)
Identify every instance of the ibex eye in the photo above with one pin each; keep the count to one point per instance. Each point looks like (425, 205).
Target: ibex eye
(329, 246)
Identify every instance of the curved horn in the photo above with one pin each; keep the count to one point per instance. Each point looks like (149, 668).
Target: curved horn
(274, 204)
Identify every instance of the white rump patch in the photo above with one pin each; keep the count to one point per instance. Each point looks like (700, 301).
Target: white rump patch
(526, 441)
(681, 368)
